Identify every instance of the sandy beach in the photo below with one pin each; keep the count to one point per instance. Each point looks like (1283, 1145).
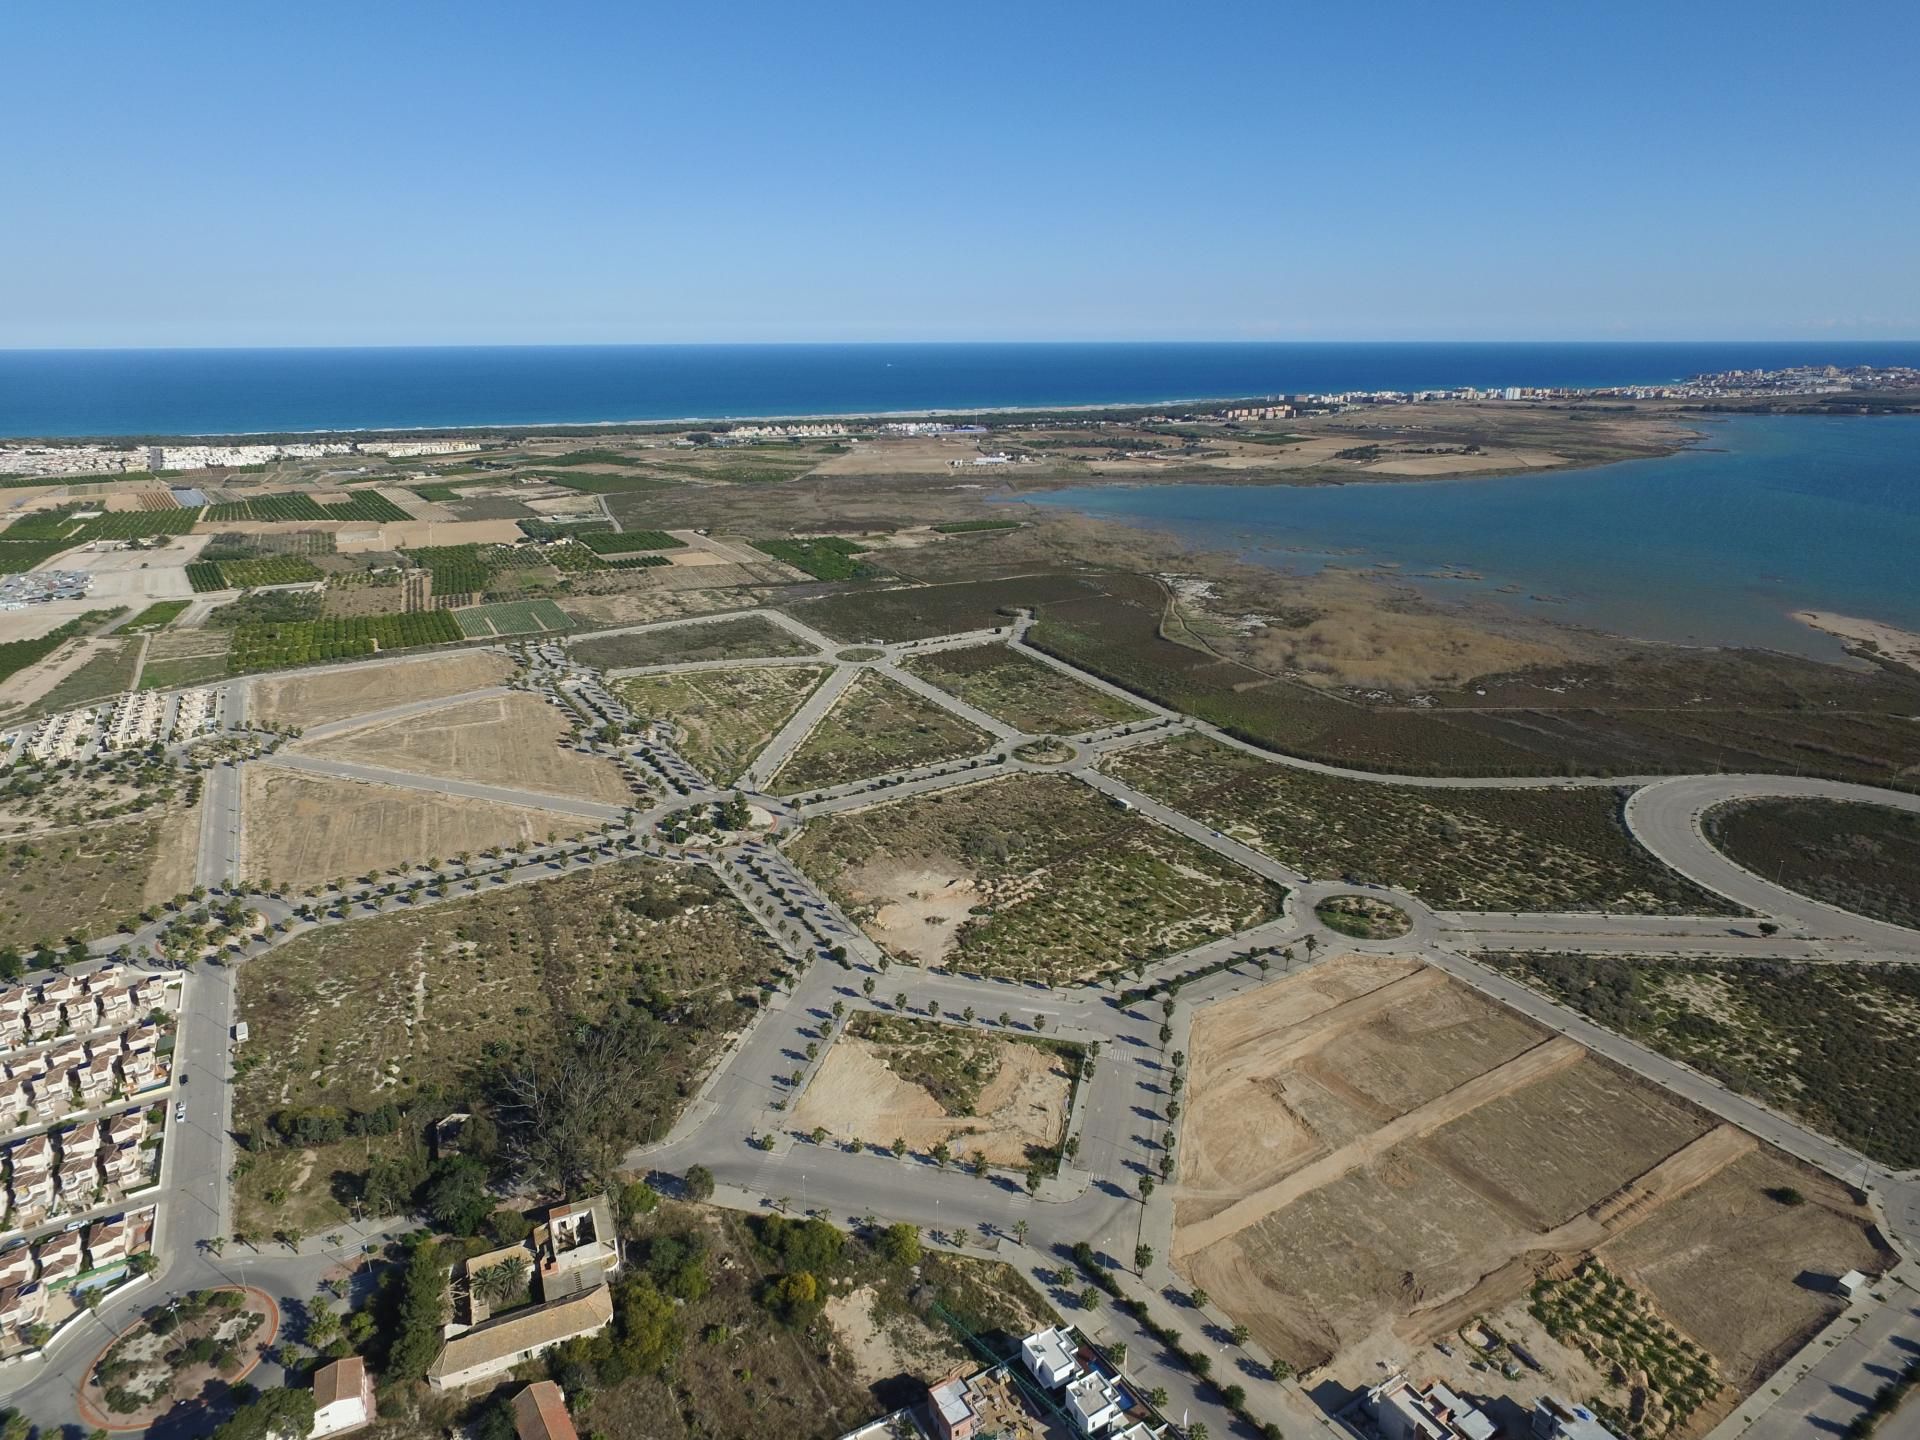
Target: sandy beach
(1888, 642)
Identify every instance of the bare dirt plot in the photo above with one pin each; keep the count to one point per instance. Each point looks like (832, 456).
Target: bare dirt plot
(857, 1094)
(1021, 691)
(723, 718)
(1730, 1267)
(359, 689)
(515, 739)
(1069, 886)
(876, 726)
(1435, 1153)
(304, 830)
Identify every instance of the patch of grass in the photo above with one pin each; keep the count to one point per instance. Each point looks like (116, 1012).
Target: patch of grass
(828, 558)
(749, 638)
(916, 612)
(108, 671)
(1836, 1045)
(1864, 858)
(413, 1010)
(723, 718)
(1362, 917)
(1495, 849)
(189, 670)
(876, 727)
(1023, 692)
(156, 616)
(1070, 886)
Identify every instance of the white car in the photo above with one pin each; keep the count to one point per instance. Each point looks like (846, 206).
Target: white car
(180, 1111)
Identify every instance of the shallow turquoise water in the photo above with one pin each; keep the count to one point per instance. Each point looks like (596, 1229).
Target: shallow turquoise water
(1716, 545)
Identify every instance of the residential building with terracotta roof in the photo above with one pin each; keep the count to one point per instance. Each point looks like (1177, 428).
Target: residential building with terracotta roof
(342, 1397)
(540, 1413)
(497, 1346)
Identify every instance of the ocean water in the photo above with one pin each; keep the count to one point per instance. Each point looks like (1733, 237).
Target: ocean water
(72, 393)
(1715, 545)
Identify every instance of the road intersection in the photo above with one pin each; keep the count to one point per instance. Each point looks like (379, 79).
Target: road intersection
(734, 1126)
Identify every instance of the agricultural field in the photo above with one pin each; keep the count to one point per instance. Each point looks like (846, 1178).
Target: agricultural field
(281, 646)
(1034, 877)
(1836, 1045)
(894, 1077)
(156, 616)
(185, 657)
(723, 718)
(1329, 1107)
(1525, 850)
(304, 700)
(61, 526)
(750, 638)
(516, 738)
(869, 1341)
(205, 577)
(19, 556)
(624, 542)
(1020, 691)
(362, 505)
(108, 670)
(874, 728)
(83, 881)
(267, 570)
(1864, 858)
(301, 830)
(828, 558)
(510, 617)
(410, 1011)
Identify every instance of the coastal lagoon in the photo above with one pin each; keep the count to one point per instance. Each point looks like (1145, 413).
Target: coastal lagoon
(1716, 545)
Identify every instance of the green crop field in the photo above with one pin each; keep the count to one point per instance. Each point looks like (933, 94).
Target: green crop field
(968, 527)
(620, 543)
(510, 617)
(204, 575)
(156, 616)
(19, 556)
(291, 506)
(275, 646)
(61, 525)
(829, 558)
(268, 570)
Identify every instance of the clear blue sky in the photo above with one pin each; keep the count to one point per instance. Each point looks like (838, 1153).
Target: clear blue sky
(386, 171)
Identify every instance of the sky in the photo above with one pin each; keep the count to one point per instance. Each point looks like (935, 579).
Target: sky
(584, 171)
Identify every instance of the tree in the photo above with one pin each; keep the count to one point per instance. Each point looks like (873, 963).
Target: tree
(1197, 1298)
(866, 986)
(455, 1195)
(1146, 1186)
(272, 1414)
(1241, 1334)
(1020, 1231)
(1157, 1397)
(900, 1245)
(1142, 1256)
(698, 1182)
(1090, 1298)
(899, 1147)
(422, 1312)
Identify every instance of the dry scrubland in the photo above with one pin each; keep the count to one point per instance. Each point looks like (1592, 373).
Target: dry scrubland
(724, 718)
(894, 1078)
(874, 728)
(303, 830)
(411, 1010)
(1376, 1156)
(1864, 858)
(358, 690)
(1544, 849)
(87, 879)
(1022, 692)
(516, 739)
(750, 638)
(1035, 877)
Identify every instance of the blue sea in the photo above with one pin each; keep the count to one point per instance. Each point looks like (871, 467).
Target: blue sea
(72, 393)
(1715, 545)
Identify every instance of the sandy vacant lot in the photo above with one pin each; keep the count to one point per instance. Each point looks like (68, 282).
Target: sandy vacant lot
(358, 689)
(515, 739)
(304, 830)
(857, 1096)
(1375, 1155)
(922, 904)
